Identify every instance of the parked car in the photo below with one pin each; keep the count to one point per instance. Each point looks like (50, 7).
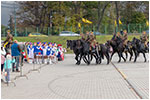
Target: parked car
(68, 33)
(147, 31)
(97, 33)
(37, 35)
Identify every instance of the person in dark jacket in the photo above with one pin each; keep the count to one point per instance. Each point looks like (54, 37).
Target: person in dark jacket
(15, 52)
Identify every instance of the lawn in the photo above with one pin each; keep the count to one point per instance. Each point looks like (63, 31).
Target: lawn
(62, 40)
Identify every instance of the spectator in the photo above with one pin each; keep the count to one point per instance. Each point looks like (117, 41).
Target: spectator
(8, 64)
(15, 52)
(3, 53)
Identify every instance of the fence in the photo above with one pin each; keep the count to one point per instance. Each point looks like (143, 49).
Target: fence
(104, 29)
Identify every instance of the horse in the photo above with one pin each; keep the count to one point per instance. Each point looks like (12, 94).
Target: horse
(138, 47)
(117, 46)
(104, 50)
(80, 49)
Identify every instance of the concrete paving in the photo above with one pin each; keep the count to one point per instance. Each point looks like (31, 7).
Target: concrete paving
(65, 80)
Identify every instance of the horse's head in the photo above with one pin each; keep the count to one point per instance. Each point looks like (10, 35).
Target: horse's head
(68, 43)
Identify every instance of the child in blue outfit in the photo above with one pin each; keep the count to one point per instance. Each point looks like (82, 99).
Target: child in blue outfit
(8, 65)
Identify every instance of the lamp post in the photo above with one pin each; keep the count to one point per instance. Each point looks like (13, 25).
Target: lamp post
(15, 20)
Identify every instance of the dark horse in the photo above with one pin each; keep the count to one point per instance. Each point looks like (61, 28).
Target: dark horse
(104, 50)
(80, 49)
(138, 47)
(117, 46)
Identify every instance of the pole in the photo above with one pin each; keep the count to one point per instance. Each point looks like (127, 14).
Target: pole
(105, 29)
(26, 31)
(37, 29)
(4, 32)
(128, 28)
(15, 20)
(48, 30)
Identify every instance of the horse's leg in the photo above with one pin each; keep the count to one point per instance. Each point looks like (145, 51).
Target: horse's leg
(112, 55)
(126, 55)
(123, 57)
(119, 54)
(91, 56)
(100, 59)
(84, 59)
(131, 54)
(80, 59)
(144, 56)
(136, 54)
(89, 61)
(107, 57)
(77, 58)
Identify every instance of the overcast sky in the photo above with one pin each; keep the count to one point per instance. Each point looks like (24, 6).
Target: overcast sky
(5, 11)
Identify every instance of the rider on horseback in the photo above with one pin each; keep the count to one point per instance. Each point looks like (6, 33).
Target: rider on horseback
(144, 38)
(91, 39)
(8, 40)
(125, 38)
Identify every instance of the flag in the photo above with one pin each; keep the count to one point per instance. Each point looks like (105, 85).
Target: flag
(147, 23)
(79, 25)
(86, 21)
(116, 22)
(120, 22)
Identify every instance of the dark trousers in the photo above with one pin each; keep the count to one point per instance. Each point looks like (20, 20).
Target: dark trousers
(17, 63)
(2, 67)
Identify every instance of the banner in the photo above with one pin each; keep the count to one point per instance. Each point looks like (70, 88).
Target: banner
(79, 25)
(86, 21)
(120, 22)
(147, 23)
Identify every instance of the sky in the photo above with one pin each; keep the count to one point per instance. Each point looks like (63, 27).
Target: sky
(5, 12)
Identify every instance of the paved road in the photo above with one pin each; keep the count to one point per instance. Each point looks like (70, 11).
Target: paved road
(69, 81)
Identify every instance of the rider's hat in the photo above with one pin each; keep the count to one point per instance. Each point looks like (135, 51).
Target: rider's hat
(144, 32)
(124, 31)
(8, 31)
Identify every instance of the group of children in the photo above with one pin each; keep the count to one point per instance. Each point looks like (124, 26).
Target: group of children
(46, 53)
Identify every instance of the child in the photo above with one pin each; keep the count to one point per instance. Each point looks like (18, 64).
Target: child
(31, 53)
(49, 52)
(35, 51)
(38, 53)
(44, 55)
(8, 65)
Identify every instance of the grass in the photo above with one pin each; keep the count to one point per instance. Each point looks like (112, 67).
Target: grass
(62, 39)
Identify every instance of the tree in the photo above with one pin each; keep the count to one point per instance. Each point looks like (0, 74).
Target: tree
(11, 24)
(101, 10)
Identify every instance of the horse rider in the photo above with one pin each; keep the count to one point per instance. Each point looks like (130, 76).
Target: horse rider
(125, 38)
(9, 40)
(91, 39)
(83, 37)
(118, 35)
(144, 38)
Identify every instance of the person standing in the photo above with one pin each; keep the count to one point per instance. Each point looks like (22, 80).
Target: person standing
(16, 52)
(8, 65)
(3, 53)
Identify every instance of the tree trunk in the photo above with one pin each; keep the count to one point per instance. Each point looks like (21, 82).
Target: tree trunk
(100, 18)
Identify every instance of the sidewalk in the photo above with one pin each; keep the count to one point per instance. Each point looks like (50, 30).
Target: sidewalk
(26, 69)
